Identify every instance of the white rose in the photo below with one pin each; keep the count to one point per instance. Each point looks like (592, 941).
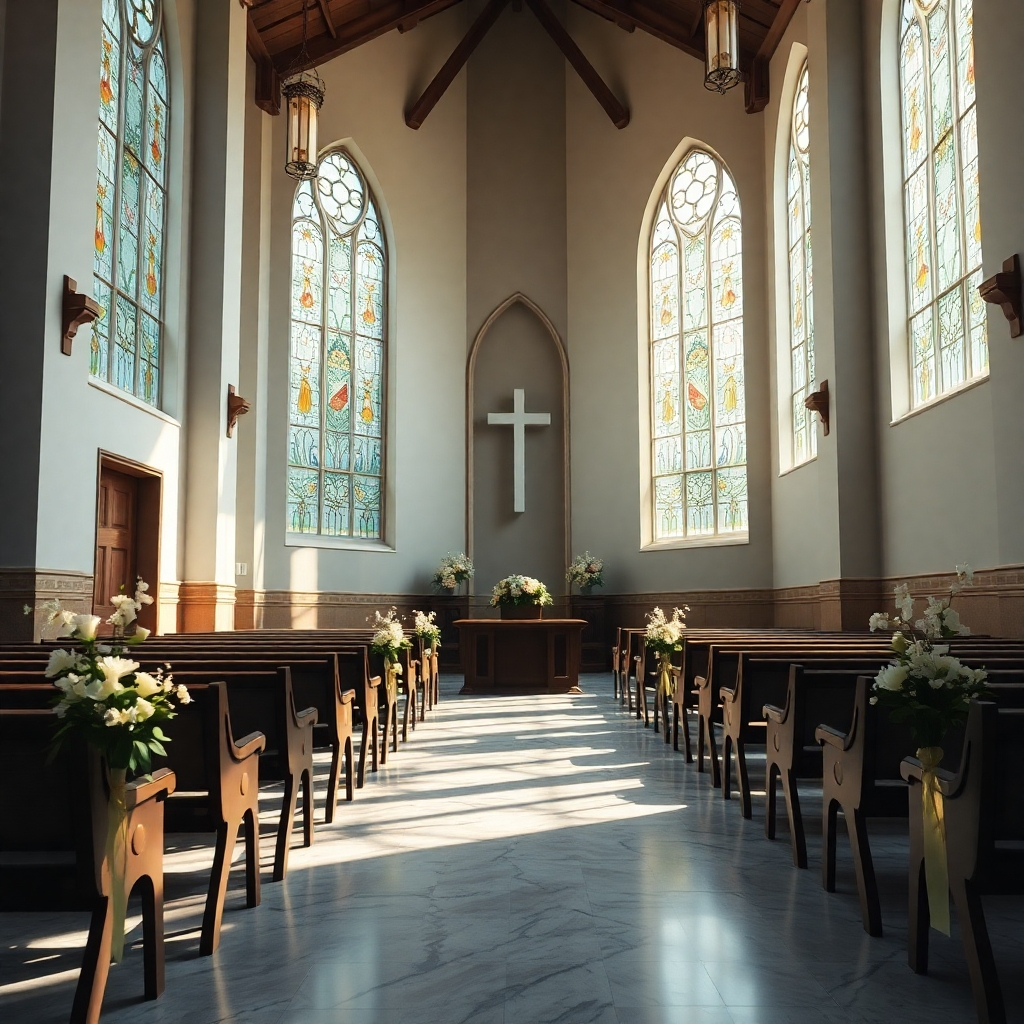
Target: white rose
(86, 626)
(146, 685)
(112, 717)
(891, 678)
(182, 694)
(60, 661)
(114, 669)
(143, 709)
(878, 621)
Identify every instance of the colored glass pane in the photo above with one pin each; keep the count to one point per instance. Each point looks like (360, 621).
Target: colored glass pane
(129, 233)
(697, 389)
(801, 290)
(337, 365)
(948, 346)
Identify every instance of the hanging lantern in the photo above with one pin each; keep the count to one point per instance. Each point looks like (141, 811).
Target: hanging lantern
(721, 44)
(304, 95)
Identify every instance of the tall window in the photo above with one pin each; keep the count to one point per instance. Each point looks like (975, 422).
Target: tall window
(337, 365)
(699, 444)
(801, 289)
(948, 334)
(131, 200)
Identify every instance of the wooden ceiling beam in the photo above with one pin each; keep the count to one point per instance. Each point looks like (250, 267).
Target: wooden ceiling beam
(618, 114)
(757, 89)
(268, 81)
(325, 10)
(360, 30)
(417, 113)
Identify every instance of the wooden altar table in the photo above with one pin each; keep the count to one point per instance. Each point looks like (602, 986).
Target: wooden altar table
(520, 655)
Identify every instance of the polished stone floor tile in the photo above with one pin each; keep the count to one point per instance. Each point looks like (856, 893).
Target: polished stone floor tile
(525, 861)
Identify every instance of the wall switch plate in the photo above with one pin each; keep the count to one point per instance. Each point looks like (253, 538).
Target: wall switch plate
(241, 568)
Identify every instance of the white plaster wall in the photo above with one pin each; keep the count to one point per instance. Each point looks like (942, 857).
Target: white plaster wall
(420, 180)
(610, 178)
(78, 419)
(938, 470)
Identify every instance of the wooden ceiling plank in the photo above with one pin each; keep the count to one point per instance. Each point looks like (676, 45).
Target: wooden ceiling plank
(325, 10)
(650, 19)
(617, 113)
(417, 113)
(778, 28)
(359, 30)
(758, 86)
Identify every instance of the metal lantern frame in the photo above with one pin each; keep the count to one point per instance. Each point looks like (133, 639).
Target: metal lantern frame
(721, 45)
(304, 91)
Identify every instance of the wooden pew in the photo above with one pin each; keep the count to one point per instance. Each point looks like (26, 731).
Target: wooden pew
(265, 702)
(54, 847)
(219, 779)
(861, 776)
(983, 808)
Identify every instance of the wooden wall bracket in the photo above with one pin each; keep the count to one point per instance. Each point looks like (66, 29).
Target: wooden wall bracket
(237, 406)
(1004, 290)
(817, 401)
(77, 309)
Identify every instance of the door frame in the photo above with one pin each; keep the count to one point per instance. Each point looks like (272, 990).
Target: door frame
(148, 512)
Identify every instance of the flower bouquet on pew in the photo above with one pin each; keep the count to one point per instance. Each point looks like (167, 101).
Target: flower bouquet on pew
(931, 692)
(586, 571)
(115, 707)
(389, 640)
(665, 637)
(427, 630)
(453, 570)
(520, 597)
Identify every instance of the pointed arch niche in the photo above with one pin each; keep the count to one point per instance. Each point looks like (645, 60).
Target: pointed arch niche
(517, 347)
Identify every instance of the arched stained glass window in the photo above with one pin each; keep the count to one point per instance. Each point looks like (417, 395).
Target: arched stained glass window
(338, 355)
(801, 287)
(947, 330)
(131, 198)
(698, 431)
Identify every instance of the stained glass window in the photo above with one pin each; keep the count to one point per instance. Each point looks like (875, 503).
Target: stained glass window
(338, 355)
(131, 198)
(801, 282)
(947, 325)
(698, 408)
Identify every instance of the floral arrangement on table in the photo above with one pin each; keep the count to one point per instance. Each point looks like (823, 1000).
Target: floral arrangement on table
(931, 691)
(453, 570)
(389, 640)
(515, 591)
(665, 636)
(586, 571)
(118, 709)
(427, 630)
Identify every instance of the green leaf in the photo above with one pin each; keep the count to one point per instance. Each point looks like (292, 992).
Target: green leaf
(157, 747)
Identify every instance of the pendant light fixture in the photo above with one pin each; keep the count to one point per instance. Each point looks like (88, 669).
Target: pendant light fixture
(303, 90)
(721, 44)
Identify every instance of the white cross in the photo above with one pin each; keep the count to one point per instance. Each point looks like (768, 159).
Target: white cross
(519, 419)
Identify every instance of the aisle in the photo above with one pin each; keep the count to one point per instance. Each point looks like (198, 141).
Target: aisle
(520, 861)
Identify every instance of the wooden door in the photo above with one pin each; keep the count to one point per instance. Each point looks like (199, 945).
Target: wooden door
(117, 512)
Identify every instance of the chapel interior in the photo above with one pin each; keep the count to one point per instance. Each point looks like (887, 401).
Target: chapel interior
(514, 511)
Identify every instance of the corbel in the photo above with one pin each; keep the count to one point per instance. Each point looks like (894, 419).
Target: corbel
(77, 309)
(817, 401)
(1004, 290)
(237, 406)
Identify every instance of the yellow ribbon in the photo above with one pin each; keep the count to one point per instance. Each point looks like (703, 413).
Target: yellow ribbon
(391, 679)
(936, 870)
(117, 857)
(666, 685)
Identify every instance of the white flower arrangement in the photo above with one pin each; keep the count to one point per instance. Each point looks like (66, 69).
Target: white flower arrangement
(389, 638)
(586, 571)
(104, 696)
(453, 570)
(665, 635)
(519, 590)
(426, 629)
(940, 620)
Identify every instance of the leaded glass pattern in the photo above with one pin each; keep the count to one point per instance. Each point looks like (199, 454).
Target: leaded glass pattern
(947, 325)
(801, 280)
(131, 199)
(698, 406)
(337, 361)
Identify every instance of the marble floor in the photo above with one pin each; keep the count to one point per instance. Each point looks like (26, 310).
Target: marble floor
(522, 861)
